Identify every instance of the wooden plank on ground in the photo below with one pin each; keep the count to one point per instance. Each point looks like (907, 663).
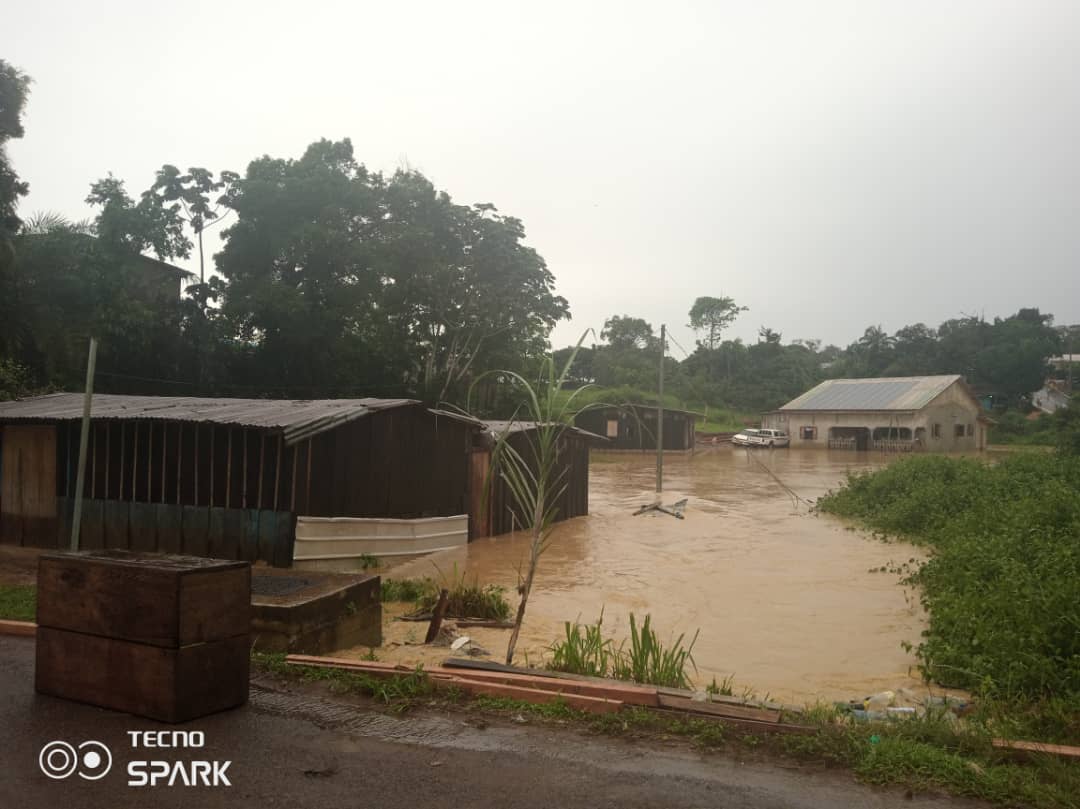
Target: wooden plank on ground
(535, 696)
(621, 692)
(26, 629)
(718, 709)
(1063, 750)
(745, 725)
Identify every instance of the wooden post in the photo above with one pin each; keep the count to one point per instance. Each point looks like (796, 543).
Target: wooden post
(660, 416)
(277, 471)
(437, 617)
(213, 463)
(67, 468)
(108, 433)
(123, 443)
(179, 457)
(243, 467)
(195, 468)
(262, 457)
(93, 461)
(292, 498)
(307, 488)
(164, 453)
(228, 468)
(76, 518)
(134, 460)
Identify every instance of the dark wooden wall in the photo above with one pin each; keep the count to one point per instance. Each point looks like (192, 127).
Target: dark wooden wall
(403, 463)
(222, 481)
(505, 515)
(637, 427)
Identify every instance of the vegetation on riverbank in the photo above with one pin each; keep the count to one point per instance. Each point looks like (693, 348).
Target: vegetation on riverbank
(465, 599)
(1003, 584)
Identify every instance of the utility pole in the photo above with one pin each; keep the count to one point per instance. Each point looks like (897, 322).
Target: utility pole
(76, 517)
(660, 415)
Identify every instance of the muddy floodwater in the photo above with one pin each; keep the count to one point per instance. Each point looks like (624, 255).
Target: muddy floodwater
(783, 599)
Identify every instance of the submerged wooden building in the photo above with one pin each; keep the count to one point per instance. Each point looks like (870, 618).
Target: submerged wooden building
(223, 477)
(497, 512)
(633, 427)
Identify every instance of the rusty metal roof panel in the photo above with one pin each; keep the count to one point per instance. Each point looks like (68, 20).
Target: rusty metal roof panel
(296, 418)
(887, 393)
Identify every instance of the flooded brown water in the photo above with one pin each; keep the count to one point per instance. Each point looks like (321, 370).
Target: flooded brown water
(783, 598)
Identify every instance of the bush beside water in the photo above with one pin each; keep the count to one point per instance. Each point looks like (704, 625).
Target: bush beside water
(1002, 586)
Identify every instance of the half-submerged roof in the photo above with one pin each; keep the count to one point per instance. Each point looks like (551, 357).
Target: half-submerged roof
(497, 428)
(887, 393)
(298, 419)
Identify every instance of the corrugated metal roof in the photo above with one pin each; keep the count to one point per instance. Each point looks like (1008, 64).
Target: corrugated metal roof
(889, 393)
(497, 428)
(297, 418)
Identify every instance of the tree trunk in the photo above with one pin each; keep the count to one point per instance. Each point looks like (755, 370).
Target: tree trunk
(526, 588)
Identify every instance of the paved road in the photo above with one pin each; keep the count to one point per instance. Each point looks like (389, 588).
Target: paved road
(297, 751)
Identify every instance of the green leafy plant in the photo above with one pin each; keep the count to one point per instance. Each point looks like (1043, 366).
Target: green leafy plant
(584, 650)
(532, 474)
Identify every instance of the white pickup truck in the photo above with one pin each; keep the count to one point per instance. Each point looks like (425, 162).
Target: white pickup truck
(761, 438)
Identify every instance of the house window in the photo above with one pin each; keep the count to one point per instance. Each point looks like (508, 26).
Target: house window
(612, 428)
(935, 431)
(808, 433)
(970, 430)
(958, 431)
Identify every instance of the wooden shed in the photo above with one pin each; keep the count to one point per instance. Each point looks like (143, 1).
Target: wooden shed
(633, 427)
(223, 477)
(502, 515)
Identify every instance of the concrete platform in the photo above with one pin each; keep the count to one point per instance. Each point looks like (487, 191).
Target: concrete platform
(310, 612)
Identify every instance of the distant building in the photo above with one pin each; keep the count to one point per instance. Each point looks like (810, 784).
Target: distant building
(1050, 398)
(935, 413)
(633, 427)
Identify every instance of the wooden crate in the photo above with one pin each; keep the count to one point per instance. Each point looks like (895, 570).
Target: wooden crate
(166, 637)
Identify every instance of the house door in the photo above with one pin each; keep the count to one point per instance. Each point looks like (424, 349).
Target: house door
(28, 485)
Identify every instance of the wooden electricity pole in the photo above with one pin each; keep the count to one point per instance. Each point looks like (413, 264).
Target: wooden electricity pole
(80, 478)
(660, 415)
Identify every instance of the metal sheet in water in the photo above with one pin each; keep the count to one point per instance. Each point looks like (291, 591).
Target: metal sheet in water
(784, 599)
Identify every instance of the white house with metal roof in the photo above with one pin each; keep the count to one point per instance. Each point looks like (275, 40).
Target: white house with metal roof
(935, 413)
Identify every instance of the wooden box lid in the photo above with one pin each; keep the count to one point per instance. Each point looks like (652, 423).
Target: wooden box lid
(157, 599)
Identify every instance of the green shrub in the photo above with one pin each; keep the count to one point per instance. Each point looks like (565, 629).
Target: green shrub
(1002, 586)
(648, 660)
(18, 602)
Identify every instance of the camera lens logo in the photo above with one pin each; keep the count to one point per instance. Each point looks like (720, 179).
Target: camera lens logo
(58, 760)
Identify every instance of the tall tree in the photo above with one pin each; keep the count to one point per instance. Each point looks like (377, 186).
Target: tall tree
(623, 331)
(338, 278)
(14, 88)
(712, 316)
(192, 192)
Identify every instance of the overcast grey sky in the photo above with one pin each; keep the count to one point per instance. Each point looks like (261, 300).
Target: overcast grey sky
(828, 164)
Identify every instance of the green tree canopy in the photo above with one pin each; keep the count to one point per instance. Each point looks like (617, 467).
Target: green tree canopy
(712, 316)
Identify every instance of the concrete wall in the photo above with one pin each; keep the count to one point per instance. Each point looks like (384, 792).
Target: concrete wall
(950, 408)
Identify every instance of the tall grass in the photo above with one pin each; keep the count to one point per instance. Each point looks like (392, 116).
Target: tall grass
(648, 660)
